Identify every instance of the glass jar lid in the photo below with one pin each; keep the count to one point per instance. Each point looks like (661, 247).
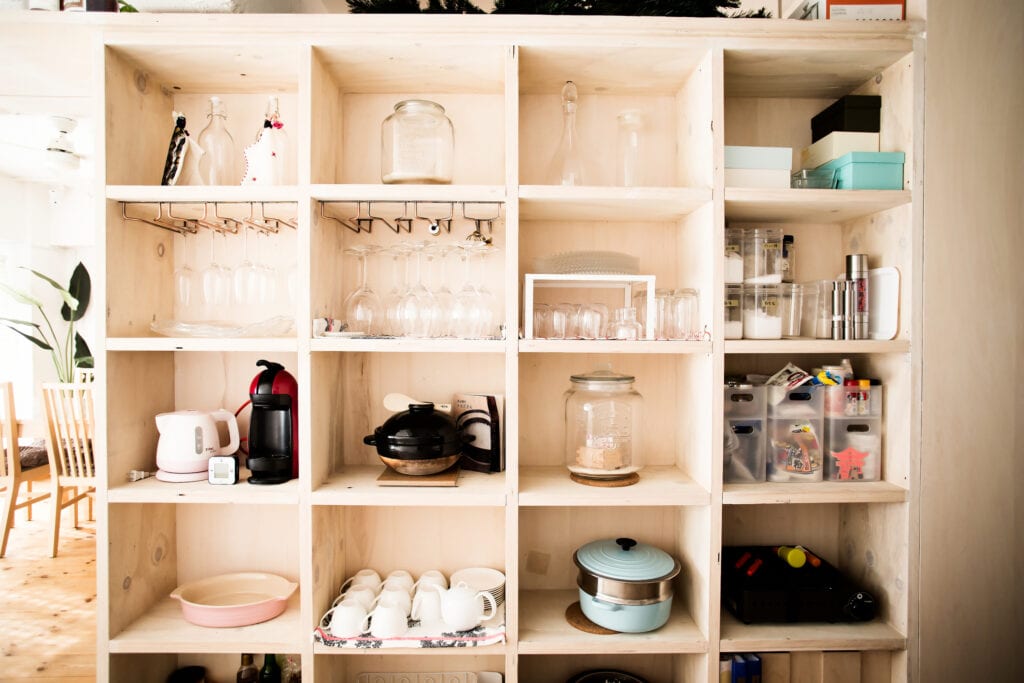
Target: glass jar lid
(607, 376)
(624, 559)
(419, 104)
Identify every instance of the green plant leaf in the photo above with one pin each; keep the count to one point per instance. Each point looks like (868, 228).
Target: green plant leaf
(69, 300)
(24, 323)
(80, 288)
(38, 342)
(21, 297)
(82, 353)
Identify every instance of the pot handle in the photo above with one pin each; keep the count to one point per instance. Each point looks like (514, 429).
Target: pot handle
(370, 440)
(607, 606)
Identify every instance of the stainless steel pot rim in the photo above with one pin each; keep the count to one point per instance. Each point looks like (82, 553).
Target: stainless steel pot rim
(625, 592)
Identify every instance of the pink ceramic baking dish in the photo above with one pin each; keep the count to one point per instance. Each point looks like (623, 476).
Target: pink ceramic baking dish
(231, 600)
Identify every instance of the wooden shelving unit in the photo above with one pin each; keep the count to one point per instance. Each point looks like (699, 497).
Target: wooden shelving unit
(701, 84)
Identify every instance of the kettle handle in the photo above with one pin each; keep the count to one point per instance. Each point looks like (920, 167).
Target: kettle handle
(227, 417)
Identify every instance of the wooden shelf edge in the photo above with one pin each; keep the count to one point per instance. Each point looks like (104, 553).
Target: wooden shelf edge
(613, 346)
(499, 649)
(286, 344)
(328, 344)
(185, 194)
(804, 345)
(768, 493)
(412, 192)
(658, 486)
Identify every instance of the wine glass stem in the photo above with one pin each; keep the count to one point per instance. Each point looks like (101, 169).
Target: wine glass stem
(362, 272)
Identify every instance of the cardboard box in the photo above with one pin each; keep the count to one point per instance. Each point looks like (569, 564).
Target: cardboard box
(759, 157)
(869, 170)
(835, 145)
(756, 177)
(852, 113)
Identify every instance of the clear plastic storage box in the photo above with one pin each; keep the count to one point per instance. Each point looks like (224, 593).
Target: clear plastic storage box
(853, 426)
(795, 434)
(744, 445)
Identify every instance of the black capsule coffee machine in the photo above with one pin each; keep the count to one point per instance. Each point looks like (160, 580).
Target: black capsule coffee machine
(274, 426)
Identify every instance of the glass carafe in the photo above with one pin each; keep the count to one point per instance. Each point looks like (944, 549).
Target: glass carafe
(217, 165)
(603, 414)
(567, 165)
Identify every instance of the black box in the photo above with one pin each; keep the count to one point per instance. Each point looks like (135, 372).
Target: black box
(758, 586)
(854, 113)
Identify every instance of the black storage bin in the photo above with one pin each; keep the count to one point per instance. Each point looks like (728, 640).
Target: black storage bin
(854, 113)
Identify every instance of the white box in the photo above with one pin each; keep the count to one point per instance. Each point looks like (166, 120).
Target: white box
(835, 145)
(775, 158)
(756, 177)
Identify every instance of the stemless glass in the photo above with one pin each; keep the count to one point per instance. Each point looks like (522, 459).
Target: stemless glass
(363, 310)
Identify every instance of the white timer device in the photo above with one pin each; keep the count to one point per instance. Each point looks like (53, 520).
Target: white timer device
(223, 469)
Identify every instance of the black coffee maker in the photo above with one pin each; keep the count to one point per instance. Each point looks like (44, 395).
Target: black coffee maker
(274, 426)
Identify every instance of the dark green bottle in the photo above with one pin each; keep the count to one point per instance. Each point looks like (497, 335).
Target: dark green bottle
(271, 672)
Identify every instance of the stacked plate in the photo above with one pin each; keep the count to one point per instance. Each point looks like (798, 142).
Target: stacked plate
(588, 263)
(482, 579)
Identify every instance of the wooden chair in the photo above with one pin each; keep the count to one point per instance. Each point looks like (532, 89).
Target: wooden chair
(70, 428)
(11, 474)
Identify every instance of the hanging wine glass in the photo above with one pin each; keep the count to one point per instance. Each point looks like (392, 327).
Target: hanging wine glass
(469, 313)
(267, 275)
(215, 277)
(444, 300)
(363, 309)
(490, 314)
(417, 301)
(184, 276)
(247, 276)
(393, 299)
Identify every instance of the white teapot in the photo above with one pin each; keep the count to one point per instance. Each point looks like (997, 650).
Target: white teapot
(461, 608)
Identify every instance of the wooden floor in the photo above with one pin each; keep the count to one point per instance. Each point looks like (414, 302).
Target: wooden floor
(48, 605)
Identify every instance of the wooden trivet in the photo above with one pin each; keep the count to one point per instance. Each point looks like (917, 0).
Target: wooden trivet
(628, 480)
(574, 615)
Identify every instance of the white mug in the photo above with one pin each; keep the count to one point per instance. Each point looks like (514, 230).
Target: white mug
(430, 577)
(395, 597)
(364, 578)
(347, 619)
(426, 606)
(387, 622)
(399, 579)
(462, 610)
(364, 596)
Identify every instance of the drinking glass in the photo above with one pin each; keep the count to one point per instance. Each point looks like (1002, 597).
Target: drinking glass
(363, 310)
(216, 278)
(686, 314)
(541, 321)
(184, 276)
(247, 276)
(592, 321)
(444, 299)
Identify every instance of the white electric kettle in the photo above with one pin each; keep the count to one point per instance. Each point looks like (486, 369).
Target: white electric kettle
(188, 438)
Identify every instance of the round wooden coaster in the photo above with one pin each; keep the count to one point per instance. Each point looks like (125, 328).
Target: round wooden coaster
(574, 615)
(628, 480)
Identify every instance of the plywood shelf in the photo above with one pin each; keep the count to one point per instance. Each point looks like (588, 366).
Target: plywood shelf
(408, 193)
(404, 345)
(552, 487)
(321, 649)
(769, 493)
(544, 630)
(808, 206)
(357, 485)
(163, 629)
(152, 490)
(807, 345)
(863, 636)
(612, 346)
(589, 203)
(223, 344)
(187, 194)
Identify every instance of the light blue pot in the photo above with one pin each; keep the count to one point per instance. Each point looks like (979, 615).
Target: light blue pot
(625, 618)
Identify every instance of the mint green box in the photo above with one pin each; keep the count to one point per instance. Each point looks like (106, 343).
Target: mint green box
(868, 170)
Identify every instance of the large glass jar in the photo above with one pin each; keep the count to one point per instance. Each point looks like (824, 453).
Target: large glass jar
(417, 144)
(602, 426)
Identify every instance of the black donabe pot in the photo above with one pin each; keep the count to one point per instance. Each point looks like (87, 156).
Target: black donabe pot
(418, 441)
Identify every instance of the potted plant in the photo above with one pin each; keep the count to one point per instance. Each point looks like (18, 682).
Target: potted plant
(69, 350)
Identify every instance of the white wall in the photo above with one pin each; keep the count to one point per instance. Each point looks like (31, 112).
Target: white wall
(972, 515)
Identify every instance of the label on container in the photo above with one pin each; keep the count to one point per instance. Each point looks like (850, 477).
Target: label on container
(770, 305)
(732, 303)
(732, 249)
(774, 246)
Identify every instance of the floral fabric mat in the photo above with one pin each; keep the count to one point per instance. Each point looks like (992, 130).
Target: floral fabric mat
(421, 635)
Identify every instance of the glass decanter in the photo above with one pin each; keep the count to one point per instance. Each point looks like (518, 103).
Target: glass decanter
(567, 165)
(217, 165)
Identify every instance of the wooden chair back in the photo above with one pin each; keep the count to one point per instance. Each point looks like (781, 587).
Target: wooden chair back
(10, 464)
(71, 425)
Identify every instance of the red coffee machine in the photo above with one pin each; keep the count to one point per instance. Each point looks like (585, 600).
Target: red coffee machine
(274, 426)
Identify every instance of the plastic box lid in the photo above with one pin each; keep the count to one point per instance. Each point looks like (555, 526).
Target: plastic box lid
(865, 158)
